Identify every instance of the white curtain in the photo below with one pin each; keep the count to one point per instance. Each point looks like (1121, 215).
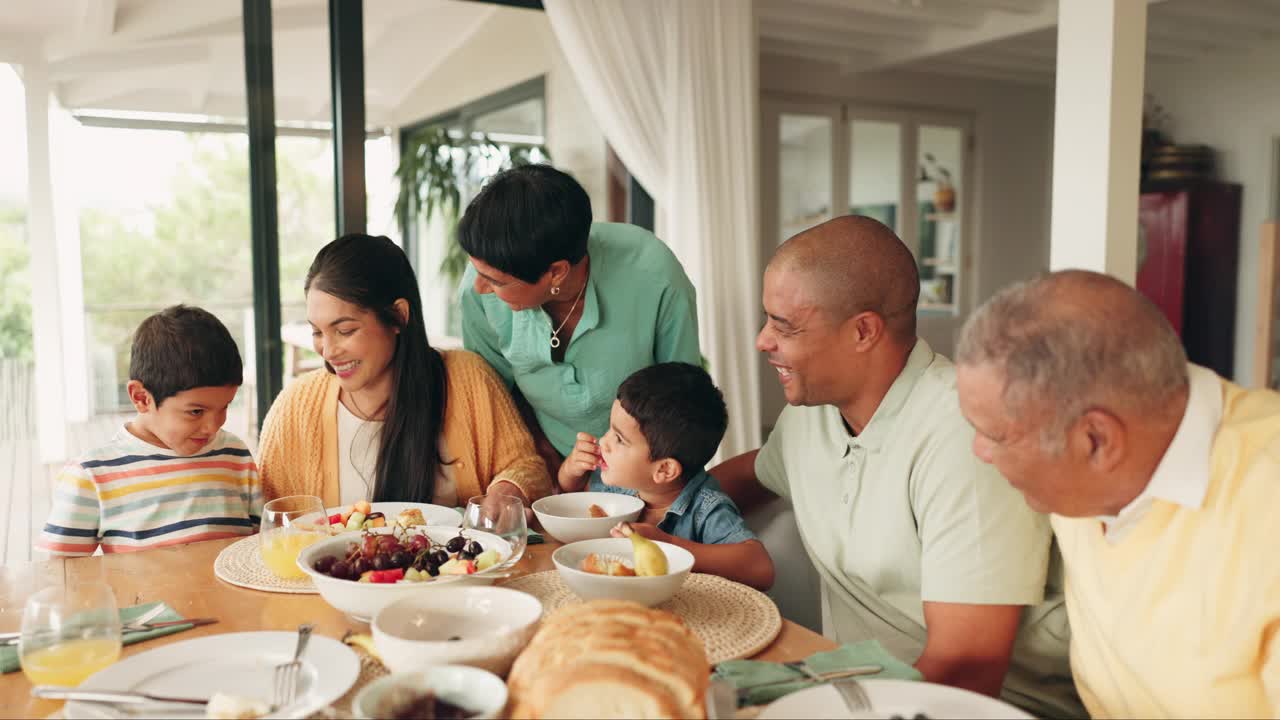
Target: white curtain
(673, 85)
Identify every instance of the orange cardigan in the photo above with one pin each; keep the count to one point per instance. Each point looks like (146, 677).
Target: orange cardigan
(298, 452)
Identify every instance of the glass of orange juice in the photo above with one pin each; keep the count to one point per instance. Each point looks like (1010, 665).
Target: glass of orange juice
(69, 633)
(290, 524)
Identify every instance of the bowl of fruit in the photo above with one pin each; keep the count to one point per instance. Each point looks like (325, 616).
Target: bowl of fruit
(360, 574)
(364, 515)
(570, 517)
(635, 568)
(484, 627)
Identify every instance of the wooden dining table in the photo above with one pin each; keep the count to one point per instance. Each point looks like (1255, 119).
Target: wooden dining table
(182, 576)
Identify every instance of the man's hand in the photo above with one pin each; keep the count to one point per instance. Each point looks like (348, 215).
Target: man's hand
(584, 458)
(647, 530)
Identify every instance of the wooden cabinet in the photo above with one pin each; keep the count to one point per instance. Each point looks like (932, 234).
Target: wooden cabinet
(1188, 256)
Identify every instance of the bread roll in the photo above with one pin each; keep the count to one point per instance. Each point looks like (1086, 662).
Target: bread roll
(610, 659)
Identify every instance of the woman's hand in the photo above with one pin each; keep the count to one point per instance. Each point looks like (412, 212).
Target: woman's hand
(584, 458)
(492, 507)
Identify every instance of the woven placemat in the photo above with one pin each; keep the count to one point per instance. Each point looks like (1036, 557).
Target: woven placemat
(240, 564)
(733, 620)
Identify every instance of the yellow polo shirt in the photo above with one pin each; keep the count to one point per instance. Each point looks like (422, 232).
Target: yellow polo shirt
(1180, 616)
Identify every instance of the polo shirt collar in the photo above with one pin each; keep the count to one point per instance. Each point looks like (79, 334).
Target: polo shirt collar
(874, 434)
(1182, 477)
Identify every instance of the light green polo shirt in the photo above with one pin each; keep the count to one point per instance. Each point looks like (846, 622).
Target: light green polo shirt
(639, 309)
(904, 513)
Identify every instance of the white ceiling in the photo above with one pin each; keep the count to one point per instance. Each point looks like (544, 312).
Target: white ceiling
(186, 56)
(1007, 40)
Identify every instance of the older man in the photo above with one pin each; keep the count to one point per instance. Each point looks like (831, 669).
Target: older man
(1164, 484)
(918, 545)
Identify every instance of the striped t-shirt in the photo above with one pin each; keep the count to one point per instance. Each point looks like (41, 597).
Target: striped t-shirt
(130, 495)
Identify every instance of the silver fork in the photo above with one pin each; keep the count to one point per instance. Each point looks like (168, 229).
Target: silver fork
(285, 686)
(855, 698)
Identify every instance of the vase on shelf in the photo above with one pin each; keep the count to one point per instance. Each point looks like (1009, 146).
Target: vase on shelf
(944, 198)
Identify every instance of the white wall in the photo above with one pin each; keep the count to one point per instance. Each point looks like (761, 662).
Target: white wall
(511, 47)
(1231, 103)
(1008, 233)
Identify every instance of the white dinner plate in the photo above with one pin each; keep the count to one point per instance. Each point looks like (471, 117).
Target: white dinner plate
(235, 663)
(434, 514)
(892, 697)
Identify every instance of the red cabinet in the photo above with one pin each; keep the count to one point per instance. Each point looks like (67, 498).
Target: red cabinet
(1188, 256)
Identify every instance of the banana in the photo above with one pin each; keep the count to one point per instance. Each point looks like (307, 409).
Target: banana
(364, 641)
(650, 560)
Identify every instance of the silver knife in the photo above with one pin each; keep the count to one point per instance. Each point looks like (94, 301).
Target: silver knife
(53, 692)
(824, 677)
(12, 637)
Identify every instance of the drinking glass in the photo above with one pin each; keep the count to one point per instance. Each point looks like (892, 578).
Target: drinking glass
(290, 524)
(501, 515)
(69, 633)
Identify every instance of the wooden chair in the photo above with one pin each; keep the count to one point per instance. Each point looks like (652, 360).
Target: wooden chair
(1264, 357)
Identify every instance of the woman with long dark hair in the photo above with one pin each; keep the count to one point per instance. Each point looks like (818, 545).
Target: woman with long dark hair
(389, 417)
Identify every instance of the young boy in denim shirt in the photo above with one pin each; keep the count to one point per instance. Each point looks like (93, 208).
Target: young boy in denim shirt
(170, 475)
(666, 423)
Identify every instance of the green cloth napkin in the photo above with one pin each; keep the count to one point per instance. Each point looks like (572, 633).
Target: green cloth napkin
(750, 673)
(9, 653)
(535, 537)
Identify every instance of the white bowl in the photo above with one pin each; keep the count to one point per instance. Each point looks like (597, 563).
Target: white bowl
(482, 693)
(565, 517)
(363, 600)
(644, 590)
(492, 625)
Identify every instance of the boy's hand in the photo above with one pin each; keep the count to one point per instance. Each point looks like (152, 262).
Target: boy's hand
(584, 458)
(647, 530)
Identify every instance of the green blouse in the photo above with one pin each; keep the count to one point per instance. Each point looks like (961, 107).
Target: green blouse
(639, 309)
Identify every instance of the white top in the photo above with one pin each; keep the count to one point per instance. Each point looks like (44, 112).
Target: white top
(1182, 476)
(358, 461)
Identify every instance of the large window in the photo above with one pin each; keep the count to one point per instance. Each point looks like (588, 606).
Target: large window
(483, 137)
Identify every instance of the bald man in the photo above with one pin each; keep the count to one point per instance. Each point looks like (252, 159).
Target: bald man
(918, 544)
(1164, 484)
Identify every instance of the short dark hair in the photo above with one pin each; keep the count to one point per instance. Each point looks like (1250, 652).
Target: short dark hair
(680, 411)
(183, 347)
(526, 218)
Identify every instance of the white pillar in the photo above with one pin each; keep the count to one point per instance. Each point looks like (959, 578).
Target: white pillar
(46, 308)
(57, 287)
(1098, 136)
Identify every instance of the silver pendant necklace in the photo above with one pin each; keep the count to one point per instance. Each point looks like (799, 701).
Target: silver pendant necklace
(555, 334)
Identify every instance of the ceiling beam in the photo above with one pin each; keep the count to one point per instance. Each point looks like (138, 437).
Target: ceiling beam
(803, 52)
(993, 26)
(859, 41)
(127, 60)
(826, 17)
(1202, 35)
(934, 13)
(981, 59)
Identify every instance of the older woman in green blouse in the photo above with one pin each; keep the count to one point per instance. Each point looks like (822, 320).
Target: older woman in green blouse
(566, 309)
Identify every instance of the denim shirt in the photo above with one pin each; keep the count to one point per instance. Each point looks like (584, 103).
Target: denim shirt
(702, 513)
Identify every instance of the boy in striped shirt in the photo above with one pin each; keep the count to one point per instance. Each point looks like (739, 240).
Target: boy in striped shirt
(171, 475)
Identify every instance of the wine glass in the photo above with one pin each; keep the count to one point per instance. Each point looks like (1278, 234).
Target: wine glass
(290, 524)
(501, 515)
(69, 633)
